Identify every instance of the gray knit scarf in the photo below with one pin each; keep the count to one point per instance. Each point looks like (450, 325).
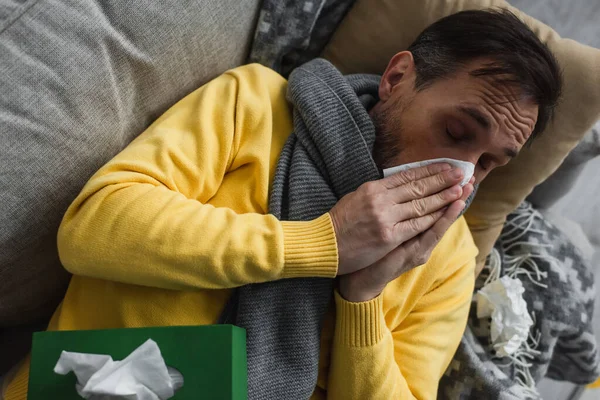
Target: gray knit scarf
(326, 157)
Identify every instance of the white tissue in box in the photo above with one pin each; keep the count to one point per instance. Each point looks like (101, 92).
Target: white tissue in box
(143, 375)
(503, 300)
(467, 167)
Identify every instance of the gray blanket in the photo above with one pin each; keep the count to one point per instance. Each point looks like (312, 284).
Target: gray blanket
(290, 32)
(560, 293)
(326, 157)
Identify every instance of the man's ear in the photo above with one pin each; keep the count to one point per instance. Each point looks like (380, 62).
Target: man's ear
(400, 71)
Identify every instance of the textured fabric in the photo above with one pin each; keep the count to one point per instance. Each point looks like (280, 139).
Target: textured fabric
(356, 47)
(16, 342)
(326, 157)
(79, 79)
(560, 293)
(290, 32)
(191, 195)
(577, 20)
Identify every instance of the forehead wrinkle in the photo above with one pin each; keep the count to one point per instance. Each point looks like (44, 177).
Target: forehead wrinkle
(512, 121)
(520, 116)
(502, 102)
(497, 91)
(506, 111)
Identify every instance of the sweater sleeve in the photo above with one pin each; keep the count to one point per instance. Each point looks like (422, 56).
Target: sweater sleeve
(370, 361)
(143, 218)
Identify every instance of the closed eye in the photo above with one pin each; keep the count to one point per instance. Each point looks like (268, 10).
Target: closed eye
(460, 136)
(451, 135)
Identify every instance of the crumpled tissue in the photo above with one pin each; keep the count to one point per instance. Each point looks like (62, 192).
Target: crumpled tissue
(467, 167)
(143, 375)
(503, 300)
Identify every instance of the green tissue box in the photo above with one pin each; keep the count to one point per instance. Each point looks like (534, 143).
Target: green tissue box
(211, 358)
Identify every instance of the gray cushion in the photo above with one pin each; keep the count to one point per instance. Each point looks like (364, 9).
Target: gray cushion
(547, 193)
(79, 80)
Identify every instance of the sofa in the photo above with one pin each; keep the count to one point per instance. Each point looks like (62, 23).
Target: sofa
(80, 79)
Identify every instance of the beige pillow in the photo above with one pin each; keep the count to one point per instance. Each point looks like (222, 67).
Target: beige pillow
(374, 30)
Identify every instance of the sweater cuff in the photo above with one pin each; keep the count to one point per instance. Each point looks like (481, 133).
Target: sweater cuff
(310, 248)
(359, 324)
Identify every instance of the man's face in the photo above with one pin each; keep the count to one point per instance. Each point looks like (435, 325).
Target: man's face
(460, 116)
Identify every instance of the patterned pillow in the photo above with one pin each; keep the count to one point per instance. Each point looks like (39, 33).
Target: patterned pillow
(560, 293)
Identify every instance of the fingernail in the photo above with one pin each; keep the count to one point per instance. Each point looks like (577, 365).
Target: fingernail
(446, 167)
(456, 190)
(457, 173)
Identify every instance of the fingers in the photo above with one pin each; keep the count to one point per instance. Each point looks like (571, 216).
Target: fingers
(467, 191)
(430, 238)
(421, 246)
(416, 249)
(420, 207)
(415, 225)
(407, 230)
(404, 177)
(427, 186)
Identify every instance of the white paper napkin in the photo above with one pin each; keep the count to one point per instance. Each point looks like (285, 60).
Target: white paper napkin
(467, 167)
(503, 300)
(143, 375)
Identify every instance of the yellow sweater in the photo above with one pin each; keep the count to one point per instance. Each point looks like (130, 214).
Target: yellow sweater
(161, 234)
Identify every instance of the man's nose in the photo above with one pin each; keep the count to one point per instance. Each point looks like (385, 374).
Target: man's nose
(479, 173)
(473, 157)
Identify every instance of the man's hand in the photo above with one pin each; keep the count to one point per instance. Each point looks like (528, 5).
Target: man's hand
(368, 283)
(381, 215)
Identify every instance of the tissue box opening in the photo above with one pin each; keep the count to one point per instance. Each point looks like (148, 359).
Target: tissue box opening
(211, 358)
